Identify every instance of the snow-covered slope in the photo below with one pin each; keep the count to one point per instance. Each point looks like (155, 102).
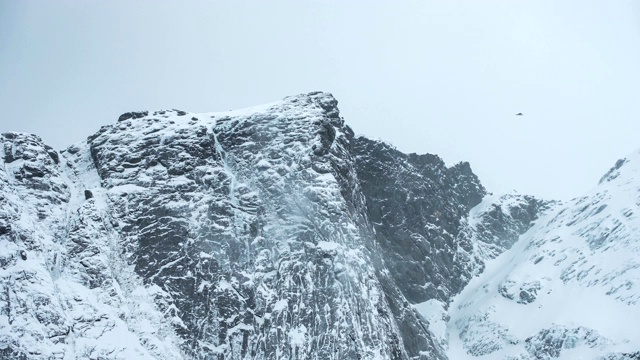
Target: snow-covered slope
(66, 291)
(568, 289)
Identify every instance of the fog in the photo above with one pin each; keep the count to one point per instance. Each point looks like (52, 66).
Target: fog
(443, 77)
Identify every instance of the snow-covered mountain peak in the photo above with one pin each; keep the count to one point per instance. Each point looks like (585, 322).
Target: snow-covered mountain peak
(239, 234)
(300, 105)
(273, 232)
(302, 109)
(567, 289)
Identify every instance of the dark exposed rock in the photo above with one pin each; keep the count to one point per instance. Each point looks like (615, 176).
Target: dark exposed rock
(622, 356)
(549, 343)
(505, 289)
(10, 353)
(23, 254)
(133, 115)
(415, 203)
(475, 345)
(53, 154)
(88, 194)
(494, 226)
(613, 172)
(525, 293)
(529, 292)
(502, 225)
(72, 149)
(38, 169)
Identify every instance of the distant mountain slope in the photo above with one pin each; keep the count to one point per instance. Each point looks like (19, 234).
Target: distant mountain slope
(568, 288)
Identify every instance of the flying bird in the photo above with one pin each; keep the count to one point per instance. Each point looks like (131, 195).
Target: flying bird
(519, 114)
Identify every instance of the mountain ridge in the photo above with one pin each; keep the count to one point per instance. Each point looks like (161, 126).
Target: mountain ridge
(264, 233)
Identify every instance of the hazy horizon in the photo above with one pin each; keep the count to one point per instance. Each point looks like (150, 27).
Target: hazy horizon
(426, 76)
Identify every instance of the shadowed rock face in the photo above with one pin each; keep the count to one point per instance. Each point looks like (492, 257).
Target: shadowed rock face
(416, 205)
(264, 233)
(494, 226)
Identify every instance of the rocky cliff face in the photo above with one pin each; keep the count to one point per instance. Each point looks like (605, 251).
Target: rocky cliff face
(416, 205)
(265, 233)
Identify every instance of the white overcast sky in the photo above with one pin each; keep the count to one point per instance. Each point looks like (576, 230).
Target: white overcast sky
(443, 77)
